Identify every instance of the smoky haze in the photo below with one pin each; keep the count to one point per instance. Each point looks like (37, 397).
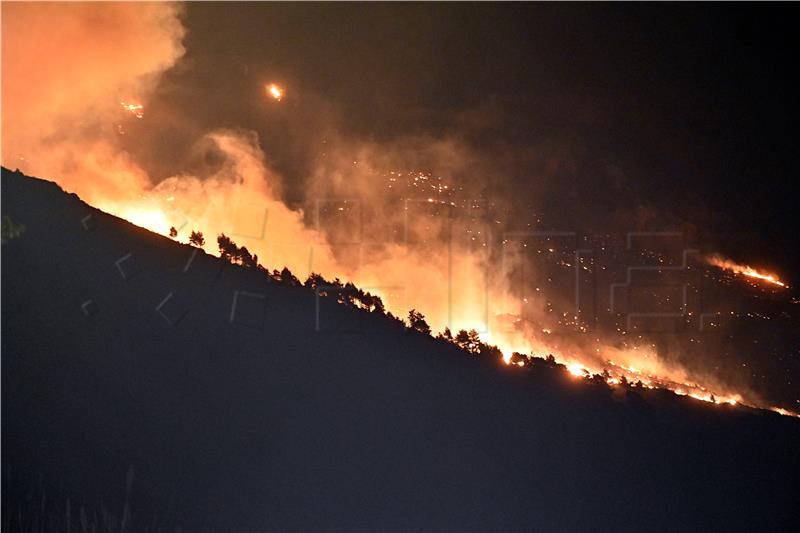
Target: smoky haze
(416, 144)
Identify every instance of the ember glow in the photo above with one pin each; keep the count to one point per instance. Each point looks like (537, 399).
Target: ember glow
(275, 91)
(137, 110)
(652, 374)
(744, 270)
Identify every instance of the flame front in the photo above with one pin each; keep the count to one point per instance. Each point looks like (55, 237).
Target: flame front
(745, 270)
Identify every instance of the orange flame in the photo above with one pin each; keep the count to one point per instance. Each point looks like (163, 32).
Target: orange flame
(275, 91)
(744, 270)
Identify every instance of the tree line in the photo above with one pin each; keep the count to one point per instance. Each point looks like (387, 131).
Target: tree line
(349, 295)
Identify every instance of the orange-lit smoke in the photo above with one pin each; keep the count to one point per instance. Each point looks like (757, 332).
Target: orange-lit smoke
(66, 68)
(70, 70)
(744, 270)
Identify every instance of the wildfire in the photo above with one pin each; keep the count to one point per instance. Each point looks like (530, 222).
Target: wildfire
(275, 91)
(784, 412)
(648, 373)
(744, 270)
(634, 365)
(137, 110)
(577, 370)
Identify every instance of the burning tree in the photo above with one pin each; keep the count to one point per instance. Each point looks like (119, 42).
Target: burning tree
(469, 341)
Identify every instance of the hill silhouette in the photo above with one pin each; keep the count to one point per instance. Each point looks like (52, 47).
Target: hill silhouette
(144, 379)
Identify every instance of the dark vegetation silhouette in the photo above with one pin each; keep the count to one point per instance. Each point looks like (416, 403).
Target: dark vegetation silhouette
(235, 254)
(469, 341)
(349, 295)
(173, 233)
(416, 321)
(196, 239)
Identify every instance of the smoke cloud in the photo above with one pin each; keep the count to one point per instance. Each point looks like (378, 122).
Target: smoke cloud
(66, 69)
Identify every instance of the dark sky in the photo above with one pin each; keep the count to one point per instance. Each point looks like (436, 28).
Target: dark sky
(685, 108)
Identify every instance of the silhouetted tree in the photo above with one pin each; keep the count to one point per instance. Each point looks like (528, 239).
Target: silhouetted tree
(416, 321)
(321, 285)
(227, 248)
(244, 258)
(229, 251)
(196, 238)
(369, 301)
(348, 294)
(288, 278)
(173, 232)
(489, 350)
(518, 359)
(469, 341)
(315, 281)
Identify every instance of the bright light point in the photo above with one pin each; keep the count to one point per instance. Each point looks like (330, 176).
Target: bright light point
(275, 91)
(137, 110)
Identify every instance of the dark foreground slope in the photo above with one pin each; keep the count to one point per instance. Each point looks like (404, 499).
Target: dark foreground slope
(236, 414)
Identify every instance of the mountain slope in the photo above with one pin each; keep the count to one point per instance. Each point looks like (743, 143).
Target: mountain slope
(237, 413)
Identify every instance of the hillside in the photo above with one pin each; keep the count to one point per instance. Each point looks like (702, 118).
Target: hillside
(234, 403)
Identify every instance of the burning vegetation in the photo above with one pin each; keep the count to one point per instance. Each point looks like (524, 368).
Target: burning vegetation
(746, 271)
(612, 374)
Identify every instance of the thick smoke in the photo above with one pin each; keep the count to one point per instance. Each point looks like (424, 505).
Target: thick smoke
(66, 69)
